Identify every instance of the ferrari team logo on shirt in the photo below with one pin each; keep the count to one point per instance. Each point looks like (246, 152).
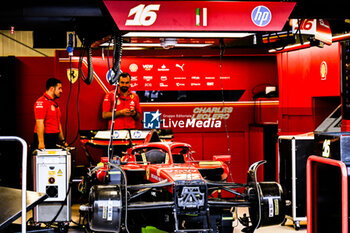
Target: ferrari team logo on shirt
(132, 105)
(39, 104)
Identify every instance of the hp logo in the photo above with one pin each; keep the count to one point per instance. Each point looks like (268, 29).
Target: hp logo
(261, 16)
(136, 134)
(115, 135)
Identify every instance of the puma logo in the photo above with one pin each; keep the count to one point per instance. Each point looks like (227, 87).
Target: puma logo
(181, 67)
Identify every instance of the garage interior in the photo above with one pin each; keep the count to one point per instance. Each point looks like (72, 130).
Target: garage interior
(285, 92)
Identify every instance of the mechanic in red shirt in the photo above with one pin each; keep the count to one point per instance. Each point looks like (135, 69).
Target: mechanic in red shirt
(128, 112)
(48, 129)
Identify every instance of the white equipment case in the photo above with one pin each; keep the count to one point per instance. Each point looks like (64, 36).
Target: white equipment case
(52, 171)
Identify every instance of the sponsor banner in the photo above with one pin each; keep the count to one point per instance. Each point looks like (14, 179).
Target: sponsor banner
(177, 74)
(199, 15)
(238, 78)
(187, 74)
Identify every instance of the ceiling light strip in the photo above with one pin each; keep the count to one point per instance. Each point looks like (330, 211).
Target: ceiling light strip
(341, 37)
(129, 45)
(290, 48)
(187, 34)
(307, 44)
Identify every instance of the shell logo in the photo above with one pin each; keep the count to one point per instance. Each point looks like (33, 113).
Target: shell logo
(323, 70)
(133, 67)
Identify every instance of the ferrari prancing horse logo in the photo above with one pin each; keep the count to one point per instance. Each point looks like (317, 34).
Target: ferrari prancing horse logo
(72, 75)
(147, 173)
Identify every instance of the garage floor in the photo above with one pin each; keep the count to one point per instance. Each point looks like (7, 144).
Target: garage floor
(288, 227)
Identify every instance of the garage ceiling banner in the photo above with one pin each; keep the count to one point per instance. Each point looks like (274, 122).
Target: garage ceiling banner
(319, 28)
(199, 15)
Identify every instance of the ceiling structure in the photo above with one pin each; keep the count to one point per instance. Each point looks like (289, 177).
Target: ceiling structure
(91, 20)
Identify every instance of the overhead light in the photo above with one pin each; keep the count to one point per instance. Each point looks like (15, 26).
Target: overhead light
(341, 37)
(188, 34)
(140, 44)
(128, 45)
(307, 44)
(134, 48)
(291, 47)
(192, 45)
(168, 43)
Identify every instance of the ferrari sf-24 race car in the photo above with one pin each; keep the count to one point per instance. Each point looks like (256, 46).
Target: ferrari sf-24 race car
(160, 184)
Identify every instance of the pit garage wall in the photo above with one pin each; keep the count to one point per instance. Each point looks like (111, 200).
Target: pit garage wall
(301, 78)
(31, 74)
(248, 73)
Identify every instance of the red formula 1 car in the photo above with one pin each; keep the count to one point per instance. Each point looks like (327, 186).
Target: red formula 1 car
(159, 184)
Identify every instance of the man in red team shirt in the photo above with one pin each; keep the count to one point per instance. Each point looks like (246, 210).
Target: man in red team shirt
(128, 110)
(48, 129)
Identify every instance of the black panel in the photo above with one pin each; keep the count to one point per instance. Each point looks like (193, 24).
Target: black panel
(345, 79)
(7, 96)
(285, 171)
(333, 145)
(49, 39)
(189, 96)
(303, 149)
(270, 140)
(10, 152)
(327, 206)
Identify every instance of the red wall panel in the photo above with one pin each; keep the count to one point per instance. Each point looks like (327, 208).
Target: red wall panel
(208, 144)
(31, 76)
(256, 152)
(300, 80)
(245, 73)
(237, 143)
(194, 139)
(266, 110)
